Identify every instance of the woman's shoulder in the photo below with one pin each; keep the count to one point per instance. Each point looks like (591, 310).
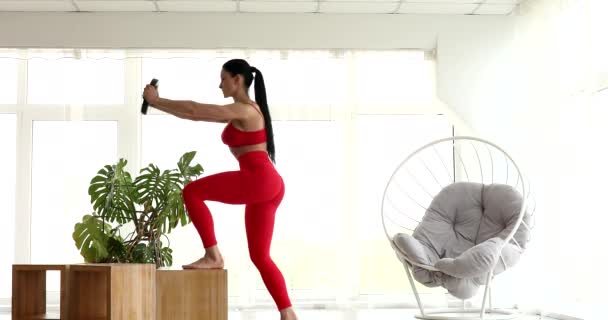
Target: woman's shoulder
(252, 104)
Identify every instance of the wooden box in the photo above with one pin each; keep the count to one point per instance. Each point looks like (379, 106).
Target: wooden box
(29, 291)
(192, 294)
(112, 291)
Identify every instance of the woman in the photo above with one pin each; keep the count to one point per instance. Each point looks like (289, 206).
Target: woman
(257, 184)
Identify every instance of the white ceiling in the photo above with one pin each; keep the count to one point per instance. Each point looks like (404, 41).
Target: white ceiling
(454, 7)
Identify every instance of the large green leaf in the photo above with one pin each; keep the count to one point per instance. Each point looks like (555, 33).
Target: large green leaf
(149, 186)
(172, 213)
(188, 172)
(166, 257)
(112, 193)
(90, 237)
(154, 187)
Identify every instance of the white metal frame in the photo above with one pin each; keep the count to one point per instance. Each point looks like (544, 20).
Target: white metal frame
(485, 312)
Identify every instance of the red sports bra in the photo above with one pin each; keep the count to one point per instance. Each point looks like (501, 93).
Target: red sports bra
(234, 137)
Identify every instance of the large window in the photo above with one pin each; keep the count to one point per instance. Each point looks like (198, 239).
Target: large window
(341, 124)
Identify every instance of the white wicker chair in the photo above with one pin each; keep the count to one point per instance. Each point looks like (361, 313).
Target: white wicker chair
(414, 197)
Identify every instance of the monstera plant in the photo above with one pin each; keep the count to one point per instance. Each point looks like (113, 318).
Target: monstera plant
(145, 209)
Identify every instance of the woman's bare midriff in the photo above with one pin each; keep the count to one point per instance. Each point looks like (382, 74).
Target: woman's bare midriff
(238, 151)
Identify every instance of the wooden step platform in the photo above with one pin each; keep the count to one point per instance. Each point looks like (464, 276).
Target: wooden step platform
(112, 291)
(191, 294)
(29, 291)
(122, 291)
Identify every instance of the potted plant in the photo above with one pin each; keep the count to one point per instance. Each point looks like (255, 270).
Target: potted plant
(149, 207)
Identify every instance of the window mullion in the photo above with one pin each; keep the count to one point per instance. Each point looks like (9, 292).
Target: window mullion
(349, 256)
(129, 123)
(23, 187)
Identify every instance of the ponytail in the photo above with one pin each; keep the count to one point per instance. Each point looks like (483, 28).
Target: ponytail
(260, 99)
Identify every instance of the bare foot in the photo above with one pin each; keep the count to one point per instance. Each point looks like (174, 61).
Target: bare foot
(212, 260)
(205, 263)
(288, 314)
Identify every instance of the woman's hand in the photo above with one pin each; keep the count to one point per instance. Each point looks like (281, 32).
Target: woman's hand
(151, 95)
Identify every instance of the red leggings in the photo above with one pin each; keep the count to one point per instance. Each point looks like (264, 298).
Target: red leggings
(260, 187)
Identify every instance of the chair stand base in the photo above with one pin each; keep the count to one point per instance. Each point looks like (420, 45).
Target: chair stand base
(468, 314)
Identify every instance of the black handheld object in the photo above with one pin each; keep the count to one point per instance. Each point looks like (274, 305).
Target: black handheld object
(144, 105)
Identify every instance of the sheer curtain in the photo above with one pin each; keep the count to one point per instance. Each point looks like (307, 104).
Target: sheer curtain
(342, 121)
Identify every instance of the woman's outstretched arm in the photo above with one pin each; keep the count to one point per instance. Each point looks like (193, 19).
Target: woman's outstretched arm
(187, 109)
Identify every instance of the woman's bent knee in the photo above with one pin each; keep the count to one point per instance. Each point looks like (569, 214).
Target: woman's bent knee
(261, 260)
(190, 191)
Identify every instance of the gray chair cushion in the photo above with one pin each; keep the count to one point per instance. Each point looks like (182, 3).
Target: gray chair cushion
(461, 235)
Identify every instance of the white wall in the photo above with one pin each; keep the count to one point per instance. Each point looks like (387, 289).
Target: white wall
(472, 73)
(531, 91)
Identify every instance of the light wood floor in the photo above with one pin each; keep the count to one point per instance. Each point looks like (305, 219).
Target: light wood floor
(366, 314)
